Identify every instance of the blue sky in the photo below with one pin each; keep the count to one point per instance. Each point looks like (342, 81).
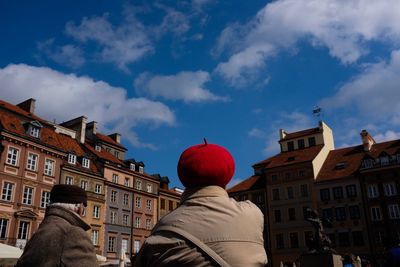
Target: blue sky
(166, 74)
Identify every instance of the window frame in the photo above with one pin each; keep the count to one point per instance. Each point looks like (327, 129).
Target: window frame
(12, 158)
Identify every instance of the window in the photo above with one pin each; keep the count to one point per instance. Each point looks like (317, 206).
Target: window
(376, 213)
(351, 191)
(311, 141)
(367, 163)
(3, 228)
(394, 212)
(258, 198)
(126, 199)
(138, 185)
(95, 237)
(305, 212)
(324, 194)
(32, 161)
(332, 237)
(84, 184)
(138, 202)
(304, 190)
(12, 156)
(28, 195)
(116, 154)
(97, 188)
(125, 219)
(340, 213)
(308, 236)
(7, 191)
(113, 217)
(148, 204)
(49, 167)
(124, 245)
(34, 131)
(373, 191)
(277, 216)
(290, 146)
(141, 169)
(294, 240)
(136, 246)
(292, 214)
(137, 222)
(275, 194)
(379, 237)
(113, 196)
(115, 178)
(290, 194)
(354, 212)
(328, 214)
(384, 160)
(344, 239)
(358, 238)
(162, 204)
(127, 182)
(45, 200)
(170, 205)
(85, 163)
(300, 143)
(23, 230)
(337, 192)
(72, 158)
(96, 212)
(274, 177)
(301, 173)
(149, 188)
(390, 189)
(132, 166)
(111, 243)
(148, 224)
(69, 180)
(279, 241)
(98, 148)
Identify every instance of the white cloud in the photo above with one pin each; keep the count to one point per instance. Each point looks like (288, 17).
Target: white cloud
(65, 96)
(257, 133)
(345, 27)
(387, 136)
(68, 55)
(187, 86)
(121, 45)
(374, 94)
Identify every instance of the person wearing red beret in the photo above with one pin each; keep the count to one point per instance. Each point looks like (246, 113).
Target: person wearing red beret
(208, 228)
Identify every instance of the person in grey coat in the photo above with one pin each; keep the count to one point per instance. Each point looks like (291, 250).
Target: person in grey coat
(61, 239)
(208, 229)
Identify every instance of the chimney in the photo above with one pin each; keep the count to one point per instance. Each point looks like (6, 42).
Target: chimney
(282, 134)
(28, 105)
(367, 140)
(116, 137)
(78, 125)
(91, 129)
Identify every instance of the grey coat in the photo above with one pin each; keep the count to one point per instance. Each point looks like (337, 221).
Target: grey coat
(234, 230)
(61, 240)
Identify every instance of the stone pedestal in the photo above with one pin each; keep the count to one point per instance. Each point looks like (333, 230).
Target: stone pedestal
(321, 259)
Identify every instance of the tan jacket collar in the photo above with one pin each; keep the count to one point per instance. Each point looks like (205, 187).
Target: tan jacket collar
(204, 191)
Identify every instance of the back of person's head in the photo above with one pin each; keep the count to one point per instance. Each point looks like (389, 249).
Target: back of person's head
(205, 164)
(68, 194)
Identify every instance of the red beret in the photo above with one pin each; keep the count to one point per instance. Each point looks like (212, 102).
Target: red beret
(64, 193)
(205, 164)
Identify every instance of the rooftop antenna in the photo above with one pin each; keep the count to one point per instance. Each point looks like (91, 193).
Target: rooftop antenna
(317, 112)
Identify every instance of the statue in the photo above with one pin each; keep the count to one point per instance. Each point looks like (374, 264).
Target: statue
(320, 242)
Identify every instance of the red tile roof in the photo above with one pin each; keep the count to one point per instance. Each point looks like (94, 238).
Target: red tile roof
(351, 158)
(103, 154)
(20, 111)
(109, 140)
(291, 157)
(244, 185)
(302, 133)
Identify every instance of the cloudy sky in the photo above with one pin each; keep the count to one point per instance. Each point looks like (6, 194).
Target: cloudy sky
(166, 74)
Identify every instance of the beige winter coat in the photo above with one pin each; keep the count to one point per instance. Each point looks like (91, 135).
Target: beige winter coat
(234, 230)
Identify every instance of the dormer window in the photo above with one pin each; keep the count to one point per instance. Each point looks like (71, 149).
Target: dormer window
(86, 162)
(384, 160)
(34, 129)
(340, 166)
(72, 158)
(367, 163)
(98, 148)
(132, 166)
(141, 169)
